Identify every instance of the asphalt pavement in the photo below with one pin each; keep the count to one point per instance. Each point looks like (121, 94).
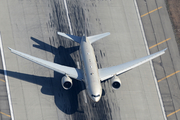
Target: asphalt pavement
(158, 29)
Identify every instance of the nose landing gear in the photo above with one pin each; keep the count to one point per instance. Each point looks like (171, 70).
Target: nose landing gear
(94, 104)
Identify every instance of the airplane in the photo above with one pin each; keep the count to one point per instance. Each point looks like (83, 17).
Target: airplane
(89, 73)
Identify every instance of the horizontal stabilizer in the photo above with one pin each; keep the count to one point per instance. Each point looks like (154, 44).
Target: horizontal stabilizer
(71, 37)
(70, 71)
(97, 37)
(106, 73)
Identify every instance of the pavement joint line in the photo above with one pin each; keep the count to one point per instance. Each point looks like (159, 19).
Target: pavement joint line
(5, 114)
(173, 112)
(6, 79)
(2, 80)
(151, 11)
(159, 43)
(168, 76)
(152, 68)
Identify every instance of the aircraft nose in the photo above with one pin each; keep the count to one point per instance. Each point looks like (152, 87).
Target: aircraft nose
(96, 99)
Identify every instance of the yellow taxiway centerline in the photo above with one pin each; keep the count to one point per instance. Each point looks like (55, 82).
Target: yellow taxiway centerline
(173, 112)
(168, 76)
(151, 11)
(5, 114)
(159, 43)
(2, 80)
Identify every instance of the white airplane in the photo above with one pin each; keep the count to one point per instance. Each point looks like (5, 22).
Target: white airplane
(89, 73)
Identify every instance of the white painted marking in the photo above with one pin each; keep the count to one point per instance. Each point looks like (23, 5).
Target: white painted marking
(147, 48)
(6, 79)
(67, 14)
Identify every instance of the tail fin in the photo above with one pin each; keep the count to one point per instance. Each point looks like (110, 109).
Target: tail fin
(97, 37)
(71, 37)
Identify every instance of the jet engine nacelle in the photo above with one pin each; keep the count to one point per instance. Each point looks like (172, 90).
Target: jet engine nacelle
(66, 82)
(115, 82)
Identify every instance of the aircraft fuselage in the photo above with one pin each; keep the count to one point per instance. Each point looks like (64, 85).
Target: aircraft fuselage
(89, 66)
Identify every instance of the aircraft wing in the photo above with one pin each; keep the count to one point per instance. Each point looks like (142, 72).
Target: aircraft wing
(106, 73)
(70, 71)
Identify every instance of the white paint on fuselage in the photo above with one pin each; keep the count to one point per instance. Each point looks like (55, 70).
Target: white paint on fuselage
(89, 65)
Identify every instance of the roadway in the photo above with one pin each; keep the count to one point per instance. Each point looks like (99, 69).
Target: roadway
(36, 92)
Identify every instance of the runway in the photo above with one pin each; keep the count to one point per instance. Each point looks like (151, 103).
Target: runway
(36, 92)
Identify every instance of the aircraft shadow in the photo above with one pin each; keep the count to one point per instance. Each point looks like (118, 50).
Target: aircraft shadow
(65, 100)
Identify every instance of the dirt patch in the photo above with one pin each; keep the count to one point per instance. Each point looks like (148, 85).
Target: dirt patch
(173, 7)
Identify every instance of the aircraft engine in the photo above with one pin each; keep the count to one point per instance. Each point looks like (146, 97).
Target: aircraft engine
(66, 82)
(115, 82)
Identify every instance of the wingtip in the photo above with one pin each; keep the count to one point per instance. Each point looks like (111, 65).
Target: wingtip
(108, 33)
(9, 48)
(165, 49)
(60, 33)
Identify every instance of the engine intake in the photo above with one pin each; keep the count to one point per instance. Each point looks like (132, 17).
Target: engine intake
(66, 82)
(115, 82)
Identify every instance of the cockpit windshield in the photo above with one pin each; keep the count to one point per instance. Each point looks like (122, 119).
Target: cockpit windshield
(95, 95)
